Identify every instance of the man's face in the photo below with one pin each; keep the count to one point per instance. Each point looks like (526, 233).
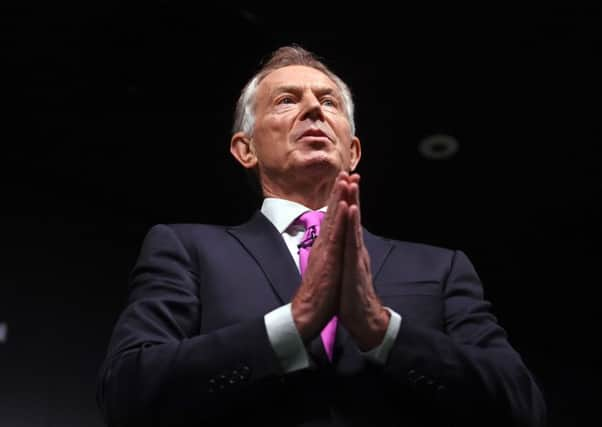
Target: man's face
(301, 126)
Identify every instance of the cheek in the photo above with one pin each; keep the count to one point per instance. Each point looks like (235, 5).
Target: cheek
(342, 128)
(343, 131)
(263, 135)
(273, 129)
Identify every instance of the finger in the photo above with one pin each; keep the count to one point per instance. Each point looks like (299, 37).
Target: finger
(333, 247)
(335, 196)
(356, 198)
(350, 240)
(351, 254)
(339, 227)
(338, 191)
(354, 178)
(354, 228)
(353, 195)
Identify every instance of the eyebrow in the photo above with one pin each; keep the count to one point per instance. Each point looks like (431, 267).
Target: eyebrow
(321, 90)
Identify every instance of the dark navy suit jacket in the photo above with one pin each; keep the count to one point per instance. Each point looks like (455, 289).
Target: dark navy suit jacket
(191, 349)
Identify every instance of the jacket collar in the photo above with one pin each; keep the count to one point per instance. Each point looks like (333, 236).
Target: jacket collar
(265, 244)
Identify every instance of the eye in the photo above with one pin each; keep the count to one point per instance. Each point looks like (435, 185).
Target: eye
(286, 100)
(329, 102)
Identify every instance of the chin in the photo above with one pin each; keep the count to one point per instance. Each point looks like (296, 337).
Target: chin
(317, 157)
(319, 169)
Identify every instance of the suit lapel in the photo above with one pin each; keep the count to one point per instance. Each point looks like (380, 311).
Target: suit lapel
(263, 242)
(379, 249)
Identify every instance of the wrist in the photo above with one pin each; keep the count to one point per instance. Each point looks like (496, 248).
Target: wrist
(304, 318)
(373, 334)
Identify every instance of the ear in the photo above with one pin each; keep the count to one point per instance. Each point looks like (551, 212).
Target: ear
(355, 153)
(242, 150)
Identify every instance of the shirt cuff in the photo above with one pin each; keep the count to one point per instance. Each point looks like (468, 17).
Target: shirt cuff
(285, 339)
(380, 354)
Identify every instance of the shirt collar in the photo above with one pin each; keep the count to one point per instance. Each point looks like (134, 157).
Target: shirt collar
(283, 212)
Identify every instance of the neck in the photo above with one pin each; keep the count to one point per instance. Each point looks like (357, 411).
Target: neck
(313, 193)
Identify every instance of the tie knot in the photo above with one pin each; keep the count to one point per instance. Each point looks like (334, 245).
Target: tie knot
(311, 219)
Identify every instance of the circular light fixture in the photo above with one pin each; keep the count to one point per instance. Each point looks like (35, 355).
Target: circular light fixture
(438, 147)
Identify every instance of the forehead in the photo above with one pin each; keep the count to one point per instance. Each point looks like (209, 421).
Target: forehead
(295, 75)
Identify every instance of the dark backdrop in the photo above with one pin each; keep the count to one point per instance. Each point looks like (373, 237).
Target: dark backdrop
(117, 117)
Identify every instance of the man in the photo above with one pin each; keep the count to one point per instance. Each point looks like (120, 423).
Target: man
(231, 326)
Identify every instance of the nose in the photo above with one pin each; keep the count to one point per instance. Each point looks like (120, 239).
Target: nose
(312, 109)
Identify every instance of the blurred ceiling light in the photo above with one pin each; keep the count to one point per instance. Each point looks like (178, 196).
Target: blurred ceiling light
(438, 147)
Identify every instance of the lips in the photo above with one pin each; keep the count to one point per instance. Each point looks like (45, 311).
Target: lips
(313, 132)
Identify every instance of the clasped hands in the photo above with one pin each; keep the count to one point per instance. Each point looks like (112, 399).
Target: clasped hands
(337, 280)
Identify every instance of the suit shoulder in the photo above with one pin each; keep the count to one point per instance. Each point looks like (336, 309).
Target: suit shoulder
(189, 236)
(422, 248)
(422, 256)
(186, 233)
(417, 248)
(190, 228)
(409, 261)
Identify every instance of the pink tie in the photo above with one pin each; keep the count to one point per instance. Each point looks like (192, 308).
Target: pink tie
(311, 221)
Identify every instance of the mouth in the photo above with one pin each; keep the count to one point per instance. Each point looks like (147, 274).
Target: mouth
(314, 134)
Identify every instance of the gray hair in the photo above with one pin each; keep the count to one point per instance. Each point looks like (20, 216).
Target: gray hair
(244, 117)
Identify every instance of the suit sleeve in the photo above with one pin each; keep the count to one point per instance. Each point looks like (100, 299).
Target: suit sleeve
(159, 370)
(469, 370)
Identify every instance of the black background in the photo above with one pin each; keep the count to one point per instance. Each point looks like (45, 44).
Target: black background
(118, 116)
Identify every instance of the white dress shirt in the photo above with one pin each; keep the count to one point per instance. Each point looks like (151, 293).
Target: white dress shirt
(280, 325)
